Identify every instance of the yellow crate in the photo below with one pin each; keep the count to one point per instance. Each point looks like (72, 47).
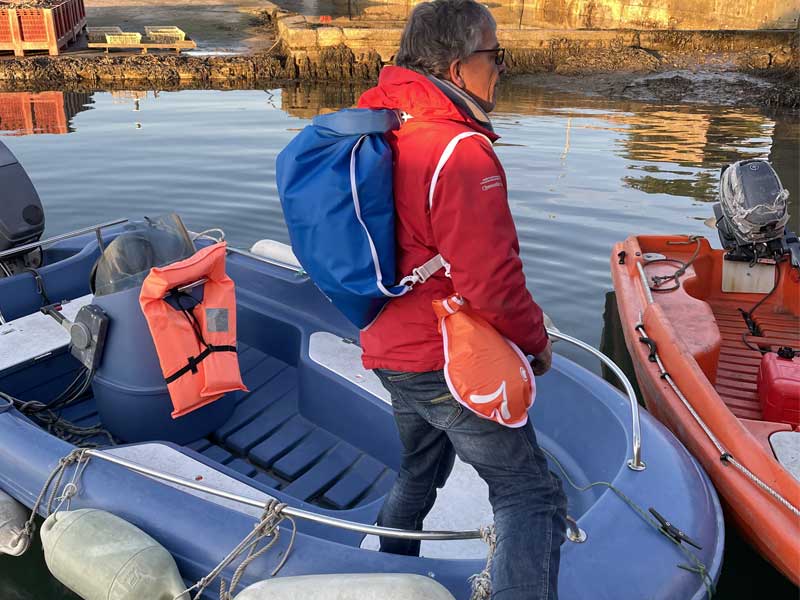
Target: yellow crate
(124, 38)
(98, 34)
(165, 34)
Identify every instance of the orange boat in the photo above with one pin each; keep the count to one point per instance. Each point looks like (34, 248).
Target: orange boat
(695, 332)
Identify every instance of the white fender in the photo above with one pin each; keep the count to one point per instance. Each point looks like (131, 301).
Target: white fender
(351, 586)
(100, 556)
(277, 251)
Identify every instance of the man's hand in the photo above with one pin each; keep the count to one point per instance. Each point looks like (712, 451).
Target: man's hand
(541, 362)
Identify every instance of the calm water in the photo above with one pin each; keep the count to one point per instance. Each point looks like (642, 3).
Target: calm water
(583, 173)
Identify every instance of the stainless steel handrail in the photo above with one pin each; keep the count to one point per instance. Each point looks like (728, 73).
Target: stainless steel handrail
(60, 237)
(290, 511)
(635, 462)
(574, 532)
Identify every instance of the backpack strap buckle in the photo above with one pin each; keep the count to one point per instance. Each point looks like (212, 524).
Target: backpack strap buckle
(425, 271)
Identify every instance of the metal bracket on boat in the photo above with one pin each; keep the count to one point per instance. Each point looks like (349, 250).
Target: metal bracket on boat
(651, 345)
(672, 532)
(87, 332)
(574, 532)
(635, 463)
(64, 236)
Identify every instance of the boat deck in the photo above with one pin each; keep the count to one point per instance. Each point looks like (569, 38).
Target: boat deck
(738, 364)
(269, 440)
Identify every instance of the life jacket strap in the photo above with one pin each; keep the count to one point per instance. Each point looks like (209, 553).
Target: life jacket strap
(191, 364)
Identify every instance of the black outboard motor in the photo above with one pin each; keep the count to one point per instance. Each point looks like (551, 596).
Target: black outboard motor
(752, 214)
(21, 215)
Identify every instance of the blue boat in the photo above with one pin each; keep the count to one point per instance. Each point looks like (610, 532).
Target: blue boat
(315, 431)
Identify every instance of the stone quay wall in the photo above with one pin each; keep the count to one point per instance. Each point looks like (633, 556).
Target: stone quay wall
(535, 50)
(709, 15)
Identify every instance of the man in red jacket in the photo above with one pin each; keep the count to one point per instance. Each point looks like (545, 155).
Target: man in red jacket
(451, 199)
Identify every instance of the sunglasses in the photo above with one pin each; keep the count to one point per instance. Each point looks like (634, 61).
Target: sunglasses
(499, 57)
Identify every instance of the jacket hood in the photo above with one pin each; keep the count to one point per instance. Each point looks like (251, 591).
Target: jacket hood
(411, 92)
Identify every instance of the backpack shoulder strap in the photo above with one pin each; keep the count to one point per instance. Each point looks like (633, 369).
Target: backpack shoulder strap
(424, 272)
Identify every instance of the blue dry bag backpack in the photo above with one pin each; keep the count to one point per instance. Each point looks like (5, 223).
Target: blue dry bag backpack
(335, 185)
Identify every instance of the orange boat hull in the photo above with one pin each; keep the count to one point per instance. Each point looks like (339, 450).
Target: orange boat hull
(696, 329)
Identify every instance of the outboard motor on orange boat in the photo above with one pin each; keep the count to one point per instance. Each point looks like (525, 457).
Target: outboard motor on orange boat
(752, 214)
(21, 215)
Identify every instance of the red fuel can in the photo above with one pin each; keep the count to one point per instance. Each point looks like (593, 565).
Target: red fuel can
(779, 388)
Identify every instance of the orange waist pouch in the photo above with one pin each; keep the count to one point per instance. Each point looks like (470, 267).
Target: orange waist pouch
(195, 339)
(485, 372)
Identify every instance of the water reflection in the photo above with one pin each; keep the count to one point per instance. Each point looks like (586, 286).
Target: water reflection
(26, 113)
(674, 150)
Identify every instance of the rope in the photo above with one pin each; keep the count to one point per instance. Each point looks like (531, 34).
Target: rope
(76, 456)
(206, 235)
(697, 565)
(267, 527)
(725, 456)
(482, 582)
(659, 280)
(46, 415)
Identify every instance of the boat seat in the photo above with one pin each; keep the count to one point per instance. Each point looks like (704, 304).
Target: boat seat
(343, 358)
(36, 335)
(786, 445)
(692, 320)
(762, 430)
(168, 459)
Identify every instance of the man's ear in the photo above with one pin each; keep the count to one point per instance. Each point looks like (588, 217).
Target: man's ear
(455, 73)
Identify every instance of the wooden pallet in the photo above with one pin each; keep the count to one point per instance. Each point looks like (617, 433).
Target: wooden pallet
(144, 46)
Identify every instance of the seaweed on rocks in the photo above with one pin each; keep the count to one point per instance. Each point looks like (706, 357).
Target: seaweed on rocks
(338, 64)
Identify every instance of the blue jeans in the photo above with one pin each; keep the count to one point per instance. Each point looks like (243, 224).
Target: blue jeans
(528, 501)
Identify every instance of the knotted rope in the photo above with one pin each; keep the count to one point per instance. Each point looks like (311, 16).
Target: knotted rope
(482, 582)
(267, 527)
(71, 489)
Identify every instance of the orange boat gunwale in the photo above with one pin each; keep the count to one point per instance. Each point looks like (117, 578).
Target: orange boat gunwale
(770, 526)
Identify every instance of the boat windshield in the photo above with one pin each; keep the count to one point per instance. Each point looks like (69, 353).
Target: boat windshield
(126, 261)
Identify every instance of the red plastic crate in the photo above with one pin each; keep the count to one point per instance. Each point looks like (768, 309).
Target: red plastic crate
(779, 388)
(5, 27)
(48, 29)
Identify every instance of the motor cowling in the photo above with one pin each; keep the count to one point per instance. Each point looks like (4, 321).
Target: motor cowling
(21, 213)
(752, 211)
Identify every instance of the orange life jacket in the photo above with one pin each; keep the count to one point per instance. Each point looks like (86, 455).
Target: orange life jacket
(485, 371)
(196, 343)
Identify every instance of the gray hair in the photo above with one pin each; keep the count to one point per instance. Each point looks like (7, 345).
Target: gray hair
(441, 31)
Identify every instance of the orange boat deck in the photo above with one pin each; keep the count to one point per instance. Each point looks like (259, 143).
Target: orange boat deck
(738, 365)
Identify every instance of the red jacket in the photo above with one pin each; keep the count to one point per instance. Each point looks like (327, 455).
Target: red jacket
(468, 222)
